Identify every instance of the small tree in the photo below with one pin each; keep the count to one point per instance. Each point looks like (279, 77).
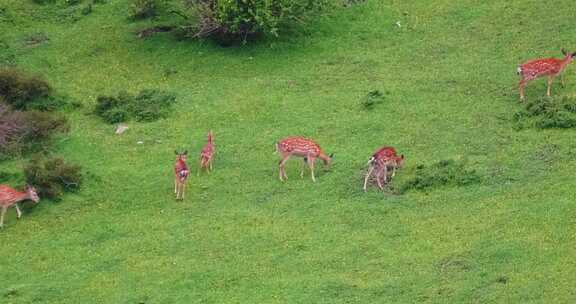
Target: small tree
(233, 19)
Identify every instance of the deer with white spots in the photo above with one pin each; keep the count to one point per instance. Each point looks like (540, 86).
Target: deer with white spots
(381, 161)
(537, 68)
(11, 197)
(181, 173)
(300, 147)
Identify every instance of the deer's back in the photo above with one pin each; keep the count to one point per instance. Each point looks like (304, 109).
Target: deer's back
(9, 195)
(299, 146)
(541, 67)
(385, 152)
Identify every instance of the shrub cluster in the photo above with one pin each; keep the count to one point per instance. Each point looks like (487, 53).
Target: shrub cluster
(143, 9)
(28, 131)
(372, 99)
(229, 20)
(548, 112)
(19, 89)
(52, 176)
(146, 106)
(445, 172)
(24, 124)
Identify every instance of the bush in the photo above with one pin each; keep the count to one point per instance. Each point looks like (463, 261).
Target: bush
(28, 131)
(228, 20)
(18, 89)
(146, 106)
(372, 99)
(445, 172)
(143, 9)
(548, 112)
(52, 177)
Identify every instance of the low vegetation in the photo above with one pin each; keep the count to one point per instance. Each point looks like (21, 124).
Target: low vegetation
(52, 176)
(442, 173)
(23, 132)
(548, 112)
(146, 106)
(372, 99)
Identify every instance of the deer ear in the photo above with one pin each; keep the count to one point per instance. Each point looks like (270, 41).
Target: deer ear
(185, 152)
(331, 155)
(564, 51)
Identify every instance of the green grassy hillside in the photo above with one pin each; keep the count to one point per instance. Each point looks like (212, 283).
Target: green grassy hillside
(242, 236)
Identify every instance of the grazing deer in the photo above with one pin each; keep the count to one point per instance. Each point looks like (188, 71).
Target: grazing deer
(381, 160)
(301, 147)
(207, 154)
(181, 174)
(10, 197)
(537, 68)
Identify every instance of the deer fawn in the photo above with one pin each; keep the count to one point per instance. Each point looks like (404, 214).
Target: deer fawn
(10, 197)
(301, 147)
(381, 160)
(181, 174)
(207, 154)
(537, 68)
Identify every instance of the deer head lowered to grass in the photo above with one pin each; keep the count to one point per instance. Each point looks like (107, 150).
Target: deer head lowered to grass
(11, 197)
(181, 173)
(537, 68)
(300, 147)
(381, 161)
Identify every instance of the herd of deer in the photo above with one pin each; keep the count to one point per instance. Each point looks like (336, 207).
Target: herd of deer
(379, 165)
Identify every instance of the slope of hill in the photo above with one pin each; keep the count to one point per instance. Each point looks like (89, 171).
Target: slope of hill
(242, 236)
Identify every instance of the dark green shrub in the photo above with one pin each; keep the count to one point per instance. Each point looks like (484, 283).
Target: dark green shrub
(228, 20)
(146, 106)
(53, 176)
(143, 9)
(28, 131)
(548, 112)
(445, 172)
(18, 89)
(372, 99)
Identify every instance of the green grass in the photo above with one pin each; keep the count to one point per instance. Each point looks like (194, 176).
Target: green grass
(242, 236)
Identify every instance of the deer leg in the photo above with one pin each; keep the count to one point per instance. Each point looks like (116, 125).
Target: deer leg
(311, 166)
(2, 217)
(562, 80)
(522, 85)
(282, 167)
(550, 80)
(370, 169)
(175, 186)
(378, 181)
(210, 164)
(183, 190)
(18, 212)
(304, 162)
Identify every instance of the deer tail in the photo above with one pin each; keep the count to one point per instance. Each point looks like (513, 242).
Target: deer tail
(519, 70)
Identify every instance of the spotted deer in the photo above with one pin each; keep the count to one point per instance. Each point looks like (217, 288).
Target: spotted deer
(379, 164)
(11, 197)
(537, 68)
(181, 173)
(207, 154)
(300, 147)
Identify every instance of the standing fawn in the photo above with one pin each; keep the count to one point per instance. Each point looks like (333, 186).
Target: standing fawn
(301, 147)
(181, 174)
(537, 68)
(381, 160)
(207, 154)
(10, 197)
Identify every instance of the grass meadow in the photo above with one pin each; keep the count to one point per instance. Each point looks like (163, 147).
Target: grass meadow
(448, 70)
